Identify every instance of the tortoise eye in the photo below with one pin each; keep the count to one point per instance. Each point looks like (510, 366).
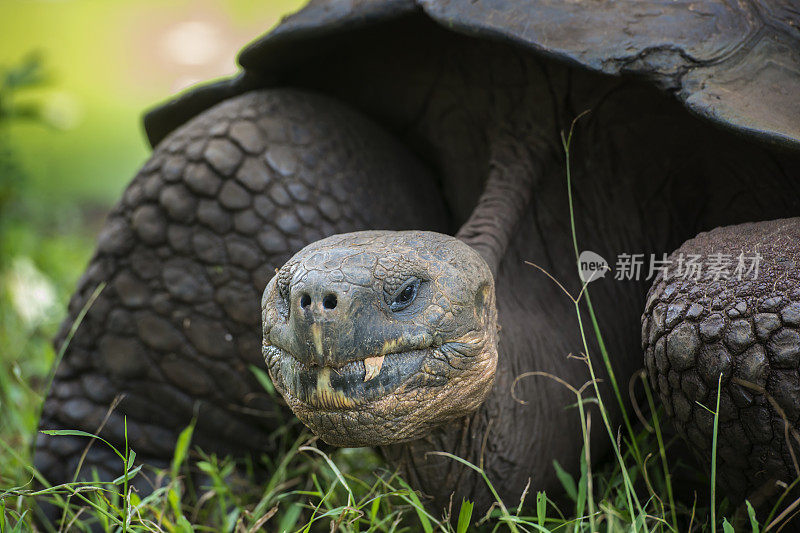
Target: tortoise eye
(405, 295)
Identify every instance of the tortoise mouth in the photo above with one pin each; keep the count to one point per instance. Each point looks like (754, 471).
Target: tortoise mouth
(346, 387)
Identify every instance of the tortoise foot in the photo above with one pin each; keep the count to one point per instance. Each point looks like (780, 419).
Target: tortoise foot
(727, 312)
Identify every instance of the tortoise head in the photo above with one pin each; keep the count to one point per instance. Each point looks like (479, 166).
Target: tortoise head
(378, 337)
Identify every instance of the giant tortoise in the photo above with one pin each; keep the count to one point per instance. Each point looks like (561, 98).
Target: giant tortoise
(381, 170)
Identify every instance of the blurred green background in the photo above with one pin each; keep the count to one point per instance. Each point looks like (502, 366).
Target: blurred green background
(75, 77)
(106, 61)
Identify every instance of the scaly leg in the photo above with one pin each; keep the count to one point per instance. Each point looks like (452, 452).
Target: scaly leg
(739, 320)
(186, 254)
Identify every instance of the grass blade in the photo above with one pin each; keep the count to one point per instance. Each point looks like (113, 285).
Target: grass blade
(566, 481)
(418, 507)
(714, 461)
(464, 516)
(751, 513)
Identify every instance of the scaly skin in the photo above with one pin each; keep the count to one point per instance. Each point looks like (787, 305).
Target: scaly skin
(221, 204)
(333, 309)
(744, 328)
(646, 177)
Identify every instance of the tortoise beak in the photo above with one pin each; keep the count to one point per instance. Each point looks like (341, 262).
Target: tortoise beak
(324, 315)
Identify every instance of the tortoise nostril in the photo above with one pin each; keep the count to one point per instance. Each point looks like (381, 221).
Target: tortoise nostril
(305, 301)
(329, 302)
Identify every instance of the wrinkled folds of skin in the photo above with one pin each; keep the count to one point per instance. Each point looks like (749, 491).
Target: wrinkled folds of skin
(361, 373)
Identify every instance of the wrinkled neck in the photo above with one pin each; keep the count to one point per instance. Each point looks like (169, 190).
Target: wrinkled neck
(514, 167)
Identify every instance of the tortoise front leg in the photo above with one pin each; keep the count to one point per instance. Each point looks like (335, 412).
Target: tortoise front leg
(738, 318)
(186, 254)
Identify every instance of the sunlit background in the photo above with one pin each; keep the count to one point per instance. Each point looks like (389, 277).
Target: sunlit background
(106, 61)
(103, 63)
(75, 77)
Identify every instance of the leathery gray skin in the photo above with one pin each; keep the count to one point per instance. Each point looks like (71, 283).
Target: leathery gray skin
(380, 337)
(237, 191)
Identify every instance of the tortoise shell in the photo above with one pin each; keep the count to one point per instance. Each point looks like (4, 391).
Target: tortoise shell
(736, 64)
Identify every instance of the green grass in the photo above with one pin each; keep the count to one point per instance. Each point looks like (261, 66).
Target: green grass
(305, 487)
